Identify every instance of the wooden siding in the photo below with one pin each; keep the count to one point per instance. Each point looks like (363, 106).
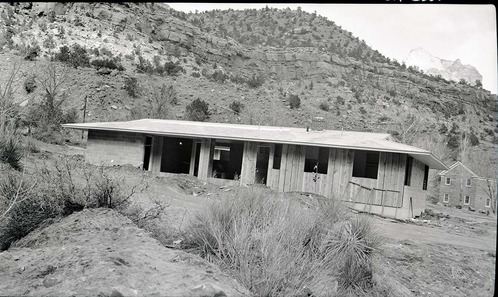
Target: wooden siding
(417, 180)
(340, 171)
(291, 168)
(156, 154)
(206, 159)
(315, 183)
(249, 156)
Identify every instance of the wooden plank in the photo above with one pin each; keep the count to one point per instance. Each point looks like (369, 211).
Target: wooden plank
(205, 159)
(269, 175)
(157, 152)
(192, 158)
(347, 168)
(249, 156)
(299, 166)
(283, 168)
(401, 179)
(328, 191)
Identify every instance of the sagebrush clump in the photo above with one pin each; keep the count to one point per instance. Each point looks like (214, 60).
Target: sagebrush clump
(279, 246)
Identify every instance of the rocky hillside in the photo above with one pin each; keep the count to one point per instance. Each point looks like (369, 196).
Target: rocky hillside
(447, 69)
(263, 59)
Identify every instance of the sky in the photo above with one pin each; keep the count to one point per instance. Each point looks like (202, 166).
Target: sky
(466, 32)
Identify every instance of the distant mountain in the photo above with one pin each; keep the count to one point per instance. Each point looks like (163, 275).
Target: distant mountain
(449, 70)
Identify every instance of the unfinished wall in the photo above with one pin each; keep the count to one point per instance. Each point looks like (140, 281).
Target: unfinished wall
(115, 148)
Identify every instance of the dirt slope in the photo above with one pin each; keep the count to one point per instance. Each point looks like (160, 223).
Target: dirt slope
(98, 252)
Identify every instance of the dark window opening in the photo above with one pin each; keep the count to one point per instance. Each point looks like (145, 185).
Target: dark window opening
(147, 151)
(426, 178)
(366, 164)
(176, 155)
(317, 159)
(408, 170)
(197, 157)
(277, 156)
(227, 160)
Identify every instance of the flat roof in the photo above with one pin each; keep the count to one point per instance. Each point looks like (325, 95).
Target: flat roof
(286, 135)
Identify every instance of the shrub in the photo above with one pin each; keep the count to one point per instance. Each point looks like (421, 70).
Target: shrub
(30, 84)
(339, 100)
(236, 106)
(324, 105)
(32, 53)
(171, 68)
(63, 54)
(474, 140)
(77, 56)
(11, 152)
(29, 211)
(362, 110)
(107, 63)
(198, 110)
(219, 76)
(131, 86)
(276, 246)
(58, 189)
(195, 74)
(144, 66)
(294, 101)
(256, 81)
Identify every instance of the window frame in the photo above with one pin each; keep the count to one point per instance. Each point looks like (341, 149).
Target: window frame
(447, 181)
(318, 167)
(465, 198)
(446, 198)
(488, 202)
(366, 164)
(467, 184)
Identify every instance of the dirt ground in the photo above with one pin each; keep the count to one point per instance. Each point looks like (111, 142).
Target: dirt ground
(99, 252)
(450, 255)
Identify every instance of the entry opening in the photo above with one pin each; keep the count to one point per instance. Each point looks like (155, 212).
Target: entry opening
(227, 159)
(176, 155)
(197, 157)
(147, 151)
(262, 163)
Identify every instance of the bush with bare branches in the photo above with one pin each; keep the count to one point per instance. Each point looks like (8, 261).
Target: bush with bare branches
(61, 187)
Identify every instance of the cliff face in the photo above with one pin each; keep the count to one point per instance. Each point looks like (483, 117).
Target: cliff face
(449, 70)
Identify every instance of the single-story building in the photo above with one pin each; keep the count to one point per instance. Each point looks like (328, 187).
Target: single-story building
(369, 171)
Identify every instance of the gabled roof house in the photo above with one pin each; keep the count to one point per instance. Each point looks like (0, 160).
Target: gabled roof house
(461, 187)
(369, 171)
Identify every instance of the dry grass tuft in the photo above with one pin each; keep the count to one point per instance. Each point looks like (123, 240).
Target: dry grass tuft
(277, 246)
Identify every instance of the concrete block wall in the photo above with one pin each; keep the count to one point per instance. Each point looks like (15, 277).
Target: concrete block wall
(114, 148)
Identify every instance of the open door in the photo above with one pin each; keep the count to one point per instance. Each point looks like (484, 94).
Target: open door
(262, 164)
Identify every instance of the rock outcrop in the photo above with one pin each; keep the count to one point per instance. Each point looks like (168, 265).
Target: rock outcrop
(449, 70)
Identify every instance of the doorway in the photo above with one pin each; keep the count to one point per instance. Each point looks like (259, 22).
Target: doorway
(262, 164)
(147, 151)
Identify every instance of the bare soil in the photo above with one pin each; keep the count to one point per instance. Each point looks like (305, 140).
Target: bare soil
(98, 252)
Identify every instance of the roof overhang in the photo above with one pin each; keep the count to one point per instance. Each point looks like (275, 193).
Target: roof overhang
(285, 135)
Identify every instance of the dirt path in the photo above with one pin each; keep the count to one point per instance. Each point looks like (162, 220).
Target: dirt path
(434, 235)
